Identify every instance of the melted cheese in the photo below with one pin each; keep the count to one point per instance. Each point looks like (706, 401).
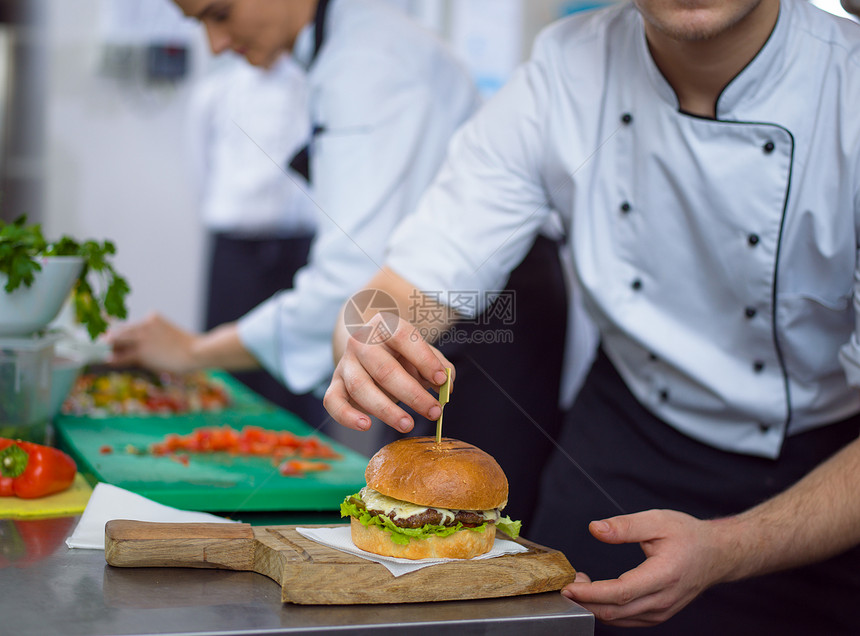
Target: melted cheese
(397, 509)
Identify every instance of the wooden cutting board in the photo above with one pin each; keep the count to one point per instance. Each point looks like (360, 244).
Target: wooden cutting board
(314, 574)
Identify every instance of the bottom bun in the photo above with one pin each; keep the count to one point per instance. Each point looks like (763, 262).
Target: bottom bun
(463, 544)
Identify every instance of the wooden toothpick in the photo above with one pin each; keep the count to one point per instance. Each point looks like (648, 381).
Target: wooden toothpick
(444, 397)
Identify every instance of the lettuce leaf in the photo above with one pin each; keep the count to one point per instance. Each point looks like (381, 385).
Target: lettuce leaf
(351, 508)
(509, 527)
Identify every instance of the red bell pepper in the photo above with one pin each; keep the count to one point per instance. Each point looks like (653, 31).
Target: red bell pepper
(34, 470)
(6, 488)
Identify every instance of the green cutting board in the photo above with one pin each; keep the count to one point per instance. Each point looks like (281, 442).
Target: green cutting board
(214, 482)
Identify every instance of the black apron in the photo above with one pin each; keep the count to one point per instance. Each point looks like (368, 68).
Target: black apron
(245, 271)
(618, 458)
(301, 161)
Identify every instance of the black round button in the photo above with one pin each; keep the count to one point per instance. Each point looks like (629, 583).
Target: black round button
(653, 357)
(768, 148)
(664, 396)
(626, 207)
(750, 312)
(758, 367)
(636, 285)
(626, 119)
(753, 240)
(764, 428)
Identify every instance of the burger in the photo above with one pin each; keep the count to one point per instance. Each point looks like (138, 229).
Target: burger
(428, 499)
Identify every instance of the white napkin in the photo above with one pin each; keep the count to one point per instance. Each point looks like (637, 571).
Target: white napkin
(341, 539)
(109, 502)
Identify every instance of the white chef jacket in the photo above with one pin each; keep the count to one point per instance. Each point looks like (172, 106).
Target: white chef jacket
(718, 257)
(244, 124)
(385, 96)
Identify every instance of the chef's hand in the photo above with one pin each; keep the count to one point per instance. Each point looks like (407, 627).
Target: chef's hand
(370, 378)
(159, 345)
(154, 343)
(682, 560)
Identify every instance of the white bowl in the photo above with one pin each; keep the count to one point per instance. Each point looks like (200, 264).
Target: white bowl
(29, 309)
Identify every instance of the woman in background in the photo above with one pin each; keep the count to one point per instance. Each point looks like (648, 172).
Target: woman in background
(383, 98)
(245, 123)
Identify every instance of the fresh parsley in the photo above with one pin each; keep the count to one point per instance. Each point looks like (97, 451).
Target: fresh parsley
(100, 292)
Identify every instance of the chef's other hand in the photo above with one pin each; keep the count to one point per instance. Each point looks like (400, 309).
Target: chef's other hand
(154, 343)
(681, 562)
(373, 376)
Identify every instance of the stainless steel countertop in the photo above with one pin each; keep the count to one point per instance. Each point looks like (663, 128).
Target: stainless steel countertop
(74, 592)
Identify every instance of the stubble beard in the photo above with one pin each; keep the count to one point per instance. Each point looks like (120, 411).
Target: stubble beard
(696, 28)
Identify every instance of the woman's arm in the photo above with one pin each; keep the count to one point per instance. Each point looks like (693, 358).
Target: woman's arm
(157, 344)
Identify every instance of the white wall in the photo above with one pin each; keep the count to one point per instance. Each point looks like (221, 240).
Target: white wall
(116, 168)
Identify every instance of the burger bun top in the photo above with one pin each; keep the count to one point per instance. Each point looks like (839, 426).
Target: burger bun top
(450, 474)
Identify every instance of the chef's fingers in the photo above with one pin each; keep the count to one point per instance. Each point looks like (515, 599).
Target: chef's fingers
(354, 394)
(447, 364)
(395, 336)
(122, 358)
(128, 344)
(385, 362)
(135, 330)
(645, 595)
(388, 384)
(341, 408)
(122, 337)
(638, 614)
(610, 601)
(124, 349)
(413, 371)
(621, 603)
(405, 341)
(632, 585)
(638, 527)
(582, 577)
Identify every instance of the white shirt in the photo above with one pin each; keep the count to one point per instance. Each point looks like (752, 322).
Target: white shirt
(245, 124)
(388, 96)
(717, 257)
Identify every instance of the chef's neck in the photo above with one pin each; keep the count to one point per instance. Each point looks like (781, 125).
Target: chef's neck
(301, 13)
(699, 69)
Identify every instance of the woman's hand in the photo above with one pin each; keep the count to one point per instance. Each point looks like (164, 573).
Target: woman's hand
(154, 343)
(159, 345)
(372, 376)
(683, 559)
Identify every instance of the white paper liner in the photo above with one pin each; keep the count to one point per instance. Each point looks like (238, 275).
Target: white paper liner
(110, 502)
(341, 539)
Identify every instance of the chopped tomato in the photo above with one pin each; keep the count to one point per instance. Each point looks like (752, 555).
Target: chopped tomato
(296, 467)
(180, 459)
(252, 441)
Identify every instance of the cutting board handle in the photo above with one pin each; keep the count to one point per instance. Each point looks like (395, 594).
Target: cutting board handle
(228, 546)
